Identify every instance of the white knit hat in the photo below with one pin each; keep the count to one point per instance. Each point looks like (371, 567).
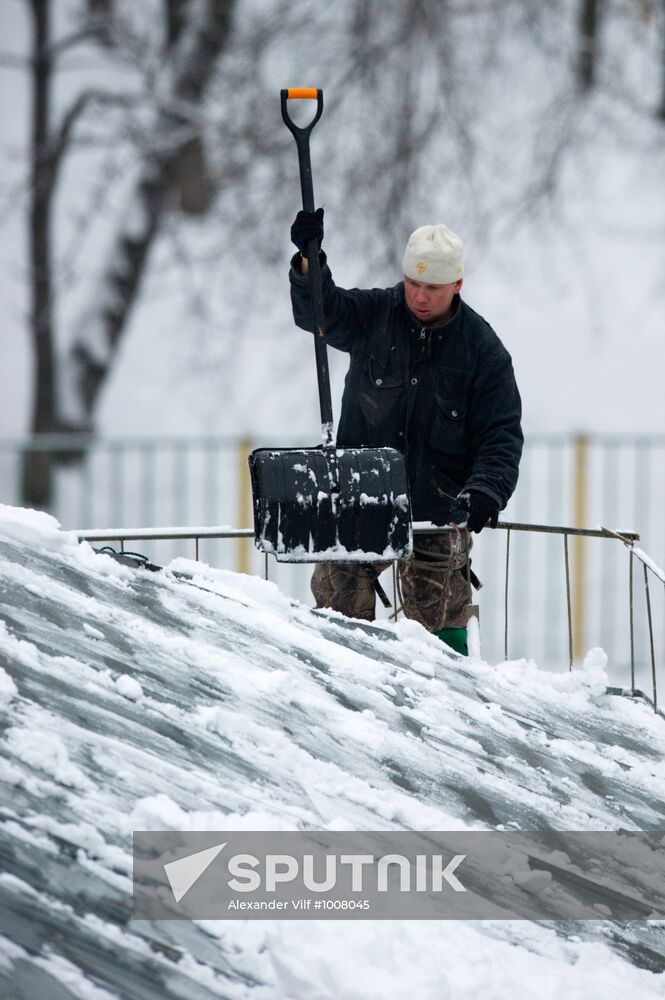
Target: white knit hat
(433, 254)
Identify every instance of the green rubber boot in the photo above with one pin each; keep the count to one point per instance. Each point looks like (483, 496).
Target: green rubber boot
(455, 638)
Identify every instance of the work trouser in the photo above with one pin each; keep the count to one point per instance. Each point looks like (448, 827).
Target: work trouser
(433, 582)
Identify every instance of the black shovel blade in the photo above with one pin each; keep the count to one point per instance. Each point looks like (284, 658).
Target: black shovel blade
(300, 515)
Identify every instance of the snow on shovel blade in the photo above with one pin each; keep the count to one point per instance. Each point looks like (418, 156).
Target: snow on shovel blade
(300, 515)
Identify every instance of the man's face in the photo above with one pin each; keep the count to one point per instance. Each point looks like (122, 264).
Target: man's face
(430, 304)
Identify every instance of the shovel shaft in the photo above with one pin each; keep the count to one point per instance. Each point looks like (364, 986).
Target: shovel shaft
(301, 136)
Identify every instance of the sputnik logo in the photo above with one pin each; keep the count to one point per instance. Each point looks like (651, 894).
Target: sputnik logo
(183, 873)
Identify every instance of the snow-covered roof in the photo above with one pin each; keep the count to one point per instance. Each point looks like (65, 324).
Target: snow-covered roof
(132, 700)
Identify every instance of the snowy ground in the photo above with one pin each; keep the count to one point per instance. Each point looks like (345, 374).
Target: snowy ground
(137, 701)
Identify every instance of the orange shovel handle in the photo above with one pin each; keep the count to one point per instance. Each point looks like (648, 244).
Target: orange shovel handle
(302, 93)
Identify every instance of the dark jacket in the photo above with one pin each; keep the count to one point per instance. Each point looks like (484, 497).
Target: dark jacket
(444, 396)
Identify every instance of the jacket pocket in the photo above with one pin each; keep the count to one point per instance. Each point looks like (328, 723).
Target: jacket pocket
(449, 425)
(380, 392)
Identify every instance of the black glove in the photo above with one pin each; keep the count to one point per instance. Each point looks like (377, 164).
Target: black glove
(480, 508)
(307, 226)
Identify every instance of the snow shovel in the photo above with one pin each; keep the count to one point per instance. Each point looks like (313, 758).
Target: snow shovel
(327, 504)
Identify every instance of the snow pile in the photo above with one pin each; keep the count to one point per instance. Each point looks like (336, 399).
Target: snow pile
(35, 528)
(131, 700)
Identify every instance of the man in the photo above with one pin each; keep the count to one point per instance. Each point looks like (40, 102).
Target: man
(429, 377)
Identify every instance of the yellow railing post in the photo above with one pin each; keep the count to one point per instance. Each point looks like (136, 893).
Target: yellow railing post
(243, 505)
(580, 489)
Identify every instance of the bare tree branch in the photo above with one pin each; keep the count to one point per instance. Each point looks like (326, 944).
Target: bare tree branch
(61, 140)
(85, 34)
(99, 332)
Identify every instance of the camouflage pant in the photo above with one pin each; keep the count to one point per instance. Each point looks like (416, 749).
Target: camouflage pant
(434, 589)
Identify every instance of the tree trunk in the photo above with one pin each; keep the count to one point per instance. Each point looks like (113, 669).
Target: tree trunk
(190, 179)
(588, 31)
(99, 332)
(36, 474)
(175, 13)
(101, 14)
(661, 109)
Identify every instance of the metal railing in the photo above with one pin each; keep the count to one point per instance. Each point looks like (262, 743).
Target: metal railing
(627, 538)
(648, 566)
(564, 479)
